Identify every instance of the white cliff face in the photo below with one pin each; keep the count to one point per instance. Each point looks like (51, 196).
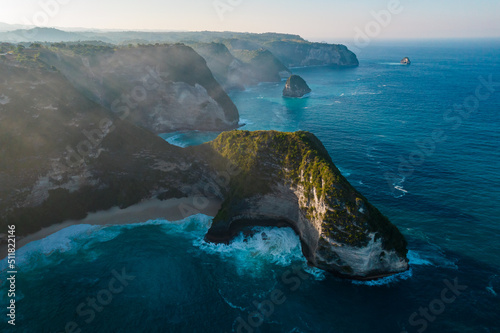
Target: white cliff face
(305, 214)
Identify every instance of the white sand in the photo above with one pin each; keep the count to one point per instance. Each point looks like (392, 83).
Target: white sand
(147, 210)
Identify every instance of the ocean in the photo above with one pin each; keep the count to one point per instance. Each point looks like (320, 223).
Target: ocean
(421, 142)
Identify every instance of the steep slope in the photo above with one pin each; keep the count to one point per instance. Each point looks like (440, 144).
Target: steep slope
(291, 50)
(296, 87)
(62, 155)
(263, 65)
(161, 88)
(239, 68)
(230, 72)
(288, 179)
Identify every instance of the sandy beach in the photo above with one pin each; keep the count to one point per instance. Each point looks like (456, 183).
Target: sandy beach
(142, 212)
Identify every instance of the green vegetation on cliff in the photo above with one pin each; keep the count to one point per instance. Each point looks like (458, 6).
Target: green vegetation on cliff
(266, 159)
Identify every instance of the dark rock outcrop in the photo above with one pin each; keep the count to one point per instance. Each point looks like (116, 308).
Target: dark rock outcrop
(296, 87)
(405, 61)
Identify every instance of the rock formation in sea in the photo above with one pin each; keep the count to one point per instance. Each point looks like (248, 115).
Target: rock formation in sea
(289, 179)
(405, 61)
(248, 59)
(296, 87)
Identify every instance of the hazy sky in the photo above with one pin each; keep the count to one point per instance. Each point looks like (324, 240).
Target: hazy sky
(313, 19)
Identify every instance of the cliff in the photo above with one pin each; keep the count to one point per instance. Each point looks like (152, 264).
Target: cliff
(239, 68)
(262, 64)
(288, 179)
(161, 88)
(235, 59)
(230, 72)
(63, 155)
(296, 87)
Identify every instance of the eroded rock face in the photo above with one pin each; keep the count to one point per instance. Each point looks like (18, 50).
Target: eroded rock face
(296, 87)
(241, 68)
(66, 156)
(288, 179)
(160, 88)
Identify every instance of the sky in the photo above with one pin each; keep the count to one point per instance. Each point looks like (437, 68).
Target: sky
(317, 20)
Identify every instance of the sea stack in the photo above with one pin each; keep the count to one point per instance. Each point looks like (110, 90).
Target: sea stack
(406, 61)
(296, 87)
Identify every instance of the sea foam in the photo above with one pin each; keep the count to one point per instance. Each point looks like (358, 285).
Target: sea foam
(61, 241)
(267, 245)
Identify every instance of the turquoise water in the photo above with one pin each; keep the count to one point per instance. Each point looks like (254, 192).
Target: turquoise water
(394, 132)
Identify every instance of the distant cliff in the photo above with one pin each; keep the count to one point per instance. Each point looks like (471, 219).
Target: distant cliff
(63, 155)
(161, 88)
(406, 61)
(237, 63)
(298, 54)
(230, 72)
(263, 65)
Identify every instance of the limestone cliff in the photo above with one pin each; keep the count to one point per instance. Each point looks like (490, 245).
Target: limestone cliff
(63, 155)
(262, 65)
(296, 87)
(161, 88)
(288, 179)
(230, 72)
(239, 68)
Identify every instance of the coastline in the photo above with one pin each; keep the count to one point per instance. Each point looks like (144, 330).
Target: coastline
(141, 212)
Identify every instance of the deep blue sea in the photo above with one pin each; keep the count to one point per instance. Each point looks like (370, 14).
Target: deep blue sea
(421, 142)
